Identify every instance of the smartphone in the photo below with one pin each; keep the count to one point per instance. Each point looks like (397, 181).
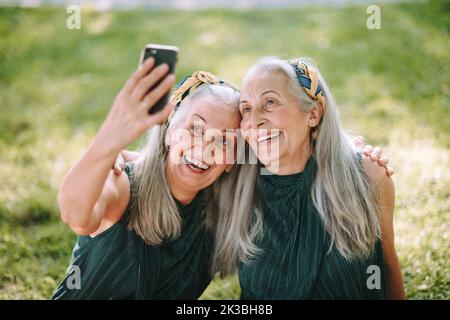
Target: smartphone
(161, 54)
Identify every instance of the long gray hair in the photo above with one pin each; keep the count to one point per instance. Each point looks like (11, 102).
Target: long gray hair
(342, 192)
(154, 214)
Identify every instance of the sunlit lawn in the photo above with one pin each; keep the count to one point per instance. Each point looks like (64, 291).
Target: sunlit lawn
(56, 86)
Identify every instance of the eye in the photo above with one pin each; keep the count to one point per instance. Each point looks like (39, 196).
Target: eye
(245, 109)
(197, 130)
(222, 141)
(269, 103)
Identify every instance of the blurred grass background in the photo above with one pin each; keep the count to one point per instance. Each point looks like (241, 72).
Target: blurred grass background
(57, 85)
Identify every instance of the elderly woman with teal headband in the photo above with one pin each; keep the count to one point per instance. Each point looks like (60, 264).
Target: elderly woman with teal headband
(327, 219)
(150, 234)
(315, 229)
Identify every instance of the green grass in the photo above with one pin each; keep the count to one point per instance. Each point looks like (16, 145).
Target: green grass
(56, 86)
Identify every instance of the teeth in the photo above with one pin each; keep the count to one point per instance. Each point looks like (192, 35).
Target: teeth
(196, 163)
(264, 138)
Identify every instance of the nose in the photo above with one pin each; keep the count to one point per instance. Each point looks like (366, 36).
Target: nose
(256, 119)
(203, 149)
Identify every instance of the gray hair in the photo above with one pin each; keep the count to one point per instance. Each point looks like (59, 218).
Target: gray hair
(154, 213)
(342, 193)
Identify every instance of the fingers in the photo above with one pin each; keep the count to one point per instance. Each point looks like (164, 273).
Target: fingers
(119, 164)
(117, 171)
(157, 93)
(118, 168)
(376, 153)
(359, 141)
(141, 71)
(389, 171)
(383, 161)
(367, 150)
(149, 81)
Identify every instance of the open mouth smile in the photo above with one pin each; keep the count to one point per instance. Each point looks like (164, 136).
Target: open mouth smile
(268, 138)
(195, 164)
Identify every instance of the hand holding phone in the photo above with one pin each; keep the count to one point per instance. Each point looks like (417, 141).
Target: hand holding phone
(129, 116)
(161, 54)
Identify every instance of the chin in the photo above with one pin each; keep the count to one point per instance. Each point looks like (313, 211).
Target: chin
(194, 178)
(267, 158)
(270, 161)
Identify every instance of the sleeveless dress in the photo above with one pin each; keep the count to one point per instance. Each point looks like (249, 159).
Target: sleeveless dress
(296, 262)
(118, 264)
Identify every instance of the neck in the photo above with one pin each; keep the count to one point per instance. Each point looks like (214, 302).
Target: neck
(177, 189)
(292, 163)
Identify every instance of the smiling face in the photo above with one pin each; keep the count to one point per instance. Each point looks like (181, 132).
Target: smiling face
(266, 103)
(202, 142)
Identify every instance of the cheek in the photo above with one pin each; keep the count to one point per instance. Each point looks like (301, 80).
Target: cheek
(179, 137)
(280, 120)
(174, 156)
(219, 156)
(298, 129)
(301, 124)
(245, 130)
(179, 147)
(245, 124)
(229, 154)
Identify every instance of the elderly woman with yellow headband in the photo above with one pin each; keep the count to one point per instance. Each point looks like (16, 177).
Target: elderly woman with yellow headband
(150, 234)
(289, 265)
(327, 220)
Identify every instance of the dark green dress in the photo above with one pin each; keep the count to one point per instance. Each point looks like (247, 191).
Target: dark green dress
(117, 264)
(295, 263)
(186, 260)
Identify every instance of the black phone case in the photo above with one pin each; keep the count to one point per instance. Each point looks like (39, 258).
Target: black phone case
(161, 56)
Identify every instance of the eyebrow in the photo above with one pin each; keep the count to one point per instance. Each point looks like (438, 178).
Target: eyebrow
(203, 119)
(265, 92)
(199, 116)
(269, 91)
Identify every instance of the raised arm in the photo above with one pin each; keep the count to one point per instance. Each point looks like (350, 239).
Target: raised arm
(90, 193)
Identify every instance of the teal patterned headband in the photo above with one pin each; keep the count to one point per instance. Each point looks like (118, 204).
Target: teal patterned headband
(309, 80)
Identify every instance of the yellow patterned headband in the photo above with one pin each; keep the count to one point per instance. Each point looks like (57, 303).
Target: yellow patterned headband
(309, 80)
(190, 83)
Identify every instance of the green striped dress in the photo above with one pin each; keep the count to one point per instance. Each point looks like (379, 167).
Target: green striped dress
(296, 262)
(118, 264)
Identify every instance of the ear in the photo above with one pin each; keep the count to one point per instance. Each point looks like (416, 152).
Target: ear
(315, 115)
